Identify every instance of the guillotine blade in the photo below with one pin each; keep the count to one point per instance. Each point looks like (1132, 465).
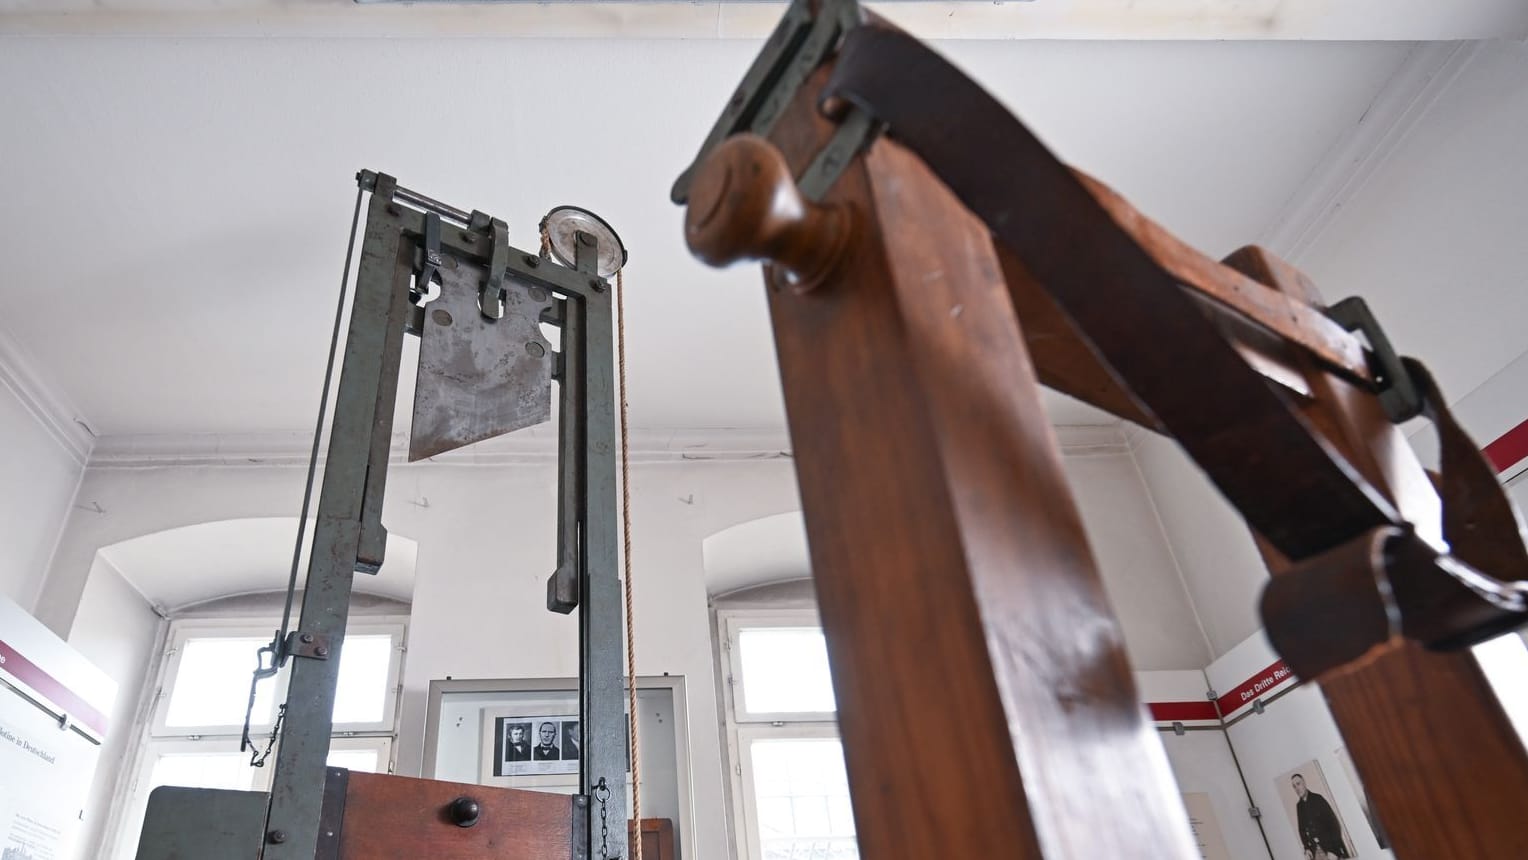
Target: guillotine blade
(478, 377)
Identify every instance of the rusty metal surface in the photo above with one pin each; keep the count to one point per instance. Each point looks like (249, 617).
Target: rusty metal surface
(479, 378)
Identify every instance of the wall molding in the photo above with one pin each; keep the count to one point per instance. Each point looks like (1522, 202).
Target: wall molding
(534, 446)
(44, 400)
(1428, 71)
(1350, 20)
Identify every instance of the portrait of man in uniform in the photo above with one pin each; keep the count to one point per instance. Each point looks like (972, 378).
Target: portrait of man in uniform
(1308, 799)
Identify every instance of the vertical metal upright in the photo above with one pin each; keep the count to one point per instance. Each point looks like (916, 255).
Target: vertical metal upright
(347, 509)
(601, 643)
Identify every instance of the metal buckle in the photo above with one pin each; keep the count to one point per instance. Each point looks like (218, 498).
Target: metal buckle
(1397, 391)
(800, 43)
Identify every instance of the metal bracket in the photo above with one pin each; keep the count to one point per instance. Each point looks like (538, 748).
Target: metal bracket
(1254, 812)
(331, 819)
(1179, 729)
(491, 300)
(800, 43)
(314, 646)
(1397, 391)
(1257, 706)
(429, 270)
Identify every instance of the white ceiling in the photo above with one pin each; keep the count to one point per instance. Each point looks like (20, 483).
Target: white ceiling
(179, 206)
(190, 565)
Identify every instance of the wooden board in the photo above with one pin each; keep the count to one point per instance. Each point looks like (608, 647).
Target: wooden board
(390, 817)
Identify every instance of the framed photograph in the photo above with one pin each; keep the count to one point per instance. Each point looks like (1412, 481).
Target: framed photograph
(1307, 797)
(532, 744)
(470, 737)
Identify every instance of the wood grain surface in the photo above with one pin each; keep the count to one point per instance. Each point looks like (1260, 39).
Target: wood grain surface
(985, 702)
(390, 817)
(1444, 767)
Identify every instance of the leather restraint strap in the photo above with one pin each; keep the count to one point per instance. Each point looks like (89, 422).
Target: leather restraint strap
(1291, 487)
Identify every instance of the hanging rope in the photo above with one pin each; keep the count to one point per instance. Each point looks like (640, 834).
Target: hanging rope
(631, 630)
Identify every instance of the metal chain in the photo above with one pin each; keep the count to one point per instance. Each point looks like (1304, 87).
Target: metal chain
(635, 850)
(258, 759)
(602, 794)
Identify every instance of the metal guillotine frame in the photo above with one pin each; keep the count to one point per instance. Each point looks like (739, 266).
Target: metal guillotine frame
(451, 278)
(928, 265)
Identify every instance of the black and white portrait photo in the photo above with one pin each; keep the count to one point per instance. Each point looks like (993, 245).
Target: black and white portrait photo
(533, 744)
(1308, 799)
(547, 747)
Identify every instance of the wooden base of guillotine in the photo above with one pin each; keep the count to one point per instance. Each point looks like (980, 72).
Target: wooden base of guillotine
(386, 817)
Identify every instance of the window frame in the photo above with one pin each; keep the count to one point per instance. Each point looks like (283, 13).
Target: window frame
(746, 735)
(733, 623)
(742, 728)
(230, 628)
(156, 739)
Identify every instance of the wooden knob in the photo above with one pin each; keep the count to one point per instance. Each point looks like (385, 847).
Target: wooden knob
(744, 205)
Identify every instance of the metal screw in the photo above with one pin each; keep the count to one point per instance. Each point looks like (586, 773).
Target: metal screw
(535, 349)
(307, 638)
(276, 836)
(538, 294)
(468, 237)
(322, 651)
(441, 316)
(532, 260)
(597, 284)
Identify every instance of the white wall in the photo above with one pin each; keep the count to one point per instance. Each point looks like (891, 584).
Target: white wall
(1221, 567)
(38, 474)
(1434, 238)
(117, 631)
(1141, 577)
(1202, 761)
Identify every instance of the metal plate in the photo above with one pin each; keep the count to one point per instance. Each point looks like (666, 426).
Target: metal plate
(202, 823)
(479, 378)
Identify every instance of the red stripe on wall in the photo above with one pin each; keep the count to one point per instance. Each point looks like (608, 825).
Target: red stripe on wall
(51, 688)
(1276, 675)
(1183, 712)
(1509, 449)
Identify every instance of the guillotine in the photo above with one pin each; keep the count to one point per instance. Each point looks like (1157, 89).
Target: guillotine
(477, 304)
(929, 265)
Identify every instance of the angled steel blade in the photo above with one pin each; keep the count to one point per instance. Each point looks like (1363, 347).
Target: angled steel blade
(479, 378)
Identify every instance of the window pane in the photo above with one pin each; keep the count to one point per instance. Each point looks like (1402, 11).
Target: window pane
(363, 761)
(785, 670)
(361, 696)
(204, 770)
(801, 796)
(211, 687)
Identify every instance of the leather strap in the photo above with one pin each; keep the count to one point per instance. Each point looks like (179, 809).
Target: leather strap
(1291, 487)
(1289, 484)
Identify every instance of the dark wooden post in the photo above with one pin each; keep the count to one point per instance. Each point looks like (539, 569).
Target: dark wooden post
(1445, 768)
(986, 705)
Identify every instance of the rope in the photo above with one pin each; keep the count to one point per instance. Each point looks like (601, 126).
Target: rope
(631, 630)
